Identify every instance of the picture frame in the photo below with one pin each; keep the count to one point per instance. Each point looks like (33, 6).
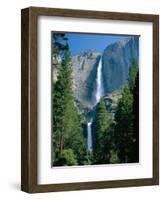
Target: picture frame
(29, 98)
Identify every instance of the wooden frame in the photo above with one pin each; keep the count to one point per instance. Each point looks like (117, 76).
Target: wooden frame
(29, 99)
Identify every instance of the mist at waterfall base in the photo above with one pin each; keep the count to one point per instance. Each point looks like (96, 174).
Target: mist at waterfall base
(98, 94)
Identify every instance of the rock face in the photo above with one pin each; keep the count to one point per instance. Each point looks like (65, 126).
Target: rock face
(116, 60)
(84, 76)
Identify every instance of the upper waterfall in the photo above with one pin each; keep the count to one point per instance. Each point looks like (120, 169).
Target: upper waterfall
(99, 82)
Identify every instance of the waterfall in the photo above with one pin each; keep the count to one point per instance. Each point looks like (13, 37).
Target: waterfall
(89, 136)
(99, 93)
(99, 82)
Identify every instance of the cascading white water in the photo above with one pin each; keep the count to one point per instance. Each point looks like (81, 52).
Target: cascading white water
(99, 93)
(99, 82)
(89, 137)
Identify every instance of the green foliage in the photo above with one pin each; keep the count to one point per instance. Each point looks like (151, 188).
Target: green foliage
(135, 146)
(126, 132)
(114, 159)
(66, 158)
(102, 118)
(88, 158)
(101, 143)
(132, 75)
(68, 137)
(124, 125)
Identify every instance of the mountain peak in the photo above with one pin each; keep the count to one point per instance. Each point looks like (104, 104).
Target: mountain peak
(124, 41)
(88, 53)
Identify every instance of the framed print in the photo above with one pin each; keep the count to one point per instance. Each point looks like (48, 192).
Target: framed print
(90, 99)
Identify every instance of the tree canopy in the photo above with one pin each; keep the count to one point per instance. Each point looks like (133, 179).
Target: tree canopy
(69, 143)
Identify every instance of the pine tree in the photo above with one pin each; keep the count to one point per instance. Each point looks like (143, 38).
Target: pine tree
(135, 145)
(126, 118)
(101, 144)
(133, 69)
(124, 125)
(68, 138)
(61, 96)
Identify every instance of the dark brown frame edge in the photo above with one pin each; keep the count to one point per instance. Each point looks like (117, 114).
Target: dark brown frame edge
(29, 98)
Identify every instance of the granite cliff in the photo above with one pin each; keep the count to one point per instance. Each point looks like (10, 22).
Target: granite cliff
(116, 59)
(84, 75)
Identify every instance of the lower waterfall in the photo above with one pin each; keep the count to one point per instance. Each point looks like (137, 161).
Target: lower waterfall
(89, 137)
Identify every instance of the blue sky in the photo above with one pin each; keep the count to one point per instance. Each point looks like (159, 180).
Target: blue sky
(97, 42)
